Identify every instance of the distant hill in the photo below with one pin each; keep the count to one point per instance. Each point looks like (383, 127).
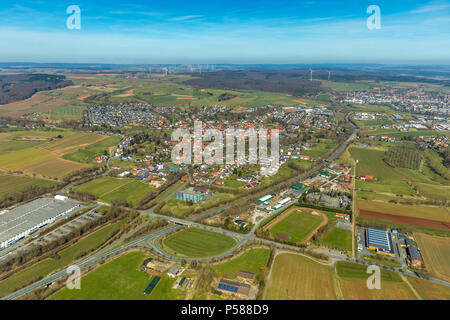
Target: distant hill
(22, 86)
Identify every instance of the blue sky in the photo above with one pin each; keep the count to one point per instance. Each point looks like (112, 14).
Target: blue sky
(226, 31)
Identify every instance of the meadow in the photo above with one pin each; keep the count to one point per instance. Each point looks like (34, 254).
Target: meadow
(418, 211)
(40, 153)
(121, 279)
(10, 184)
(197, 243)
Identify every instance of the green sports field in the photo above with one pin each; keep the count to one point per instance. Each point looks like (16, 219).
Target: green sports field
(297, 226)
(197, 243)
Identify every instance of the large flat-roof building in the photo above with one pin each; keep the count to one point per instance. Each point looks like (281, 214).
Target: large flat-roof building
(379, 240)
(233, 287)
(19, 222)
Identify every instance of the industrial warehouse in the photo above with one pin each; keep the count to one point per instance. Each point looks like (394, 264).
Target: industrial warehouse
(379, 240)
(19, 222)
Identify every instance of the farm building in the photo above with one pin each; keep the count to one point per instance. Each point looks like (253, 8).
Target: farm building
(19, 222)
(266, 198)
(246, 275)
(379, 240)
(233, 287)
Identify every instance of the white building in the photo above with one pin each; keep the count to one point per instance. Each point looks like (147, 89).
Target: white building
(19, 222)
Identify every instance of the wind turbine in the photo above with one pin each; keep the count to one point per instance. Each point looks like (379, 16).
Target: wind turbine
(310, 74)
(329, 75)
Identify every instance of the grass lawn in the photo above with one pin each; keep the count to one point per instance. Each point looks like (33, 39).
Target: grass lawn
(121, 279)
(66, 257)
(338, 238)
(297, 226)
(253, 260)
(197, 243)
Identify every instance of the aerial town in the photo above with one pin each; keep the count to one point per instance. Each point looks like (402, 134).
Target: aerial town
(223, 157)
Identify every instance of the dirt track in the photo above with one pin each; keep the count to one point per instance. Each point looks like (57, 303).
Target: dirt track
(406, 220)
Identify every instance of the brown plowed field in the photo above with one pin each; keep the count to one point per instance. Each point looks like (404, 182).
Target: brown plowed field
(406, 220)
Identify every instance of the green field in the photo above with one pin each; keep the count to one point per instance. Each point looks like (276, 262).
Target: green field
(121, 279)
(253, 260)
(338, 238)
(295, 277)
(282, 174)
(197, 243)
(65, 257)
(10, 184)
(23, 158)
(389, 179)
(320, 149)
(111, 189)
(352, 279)
(87, 155)
(297, 226)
